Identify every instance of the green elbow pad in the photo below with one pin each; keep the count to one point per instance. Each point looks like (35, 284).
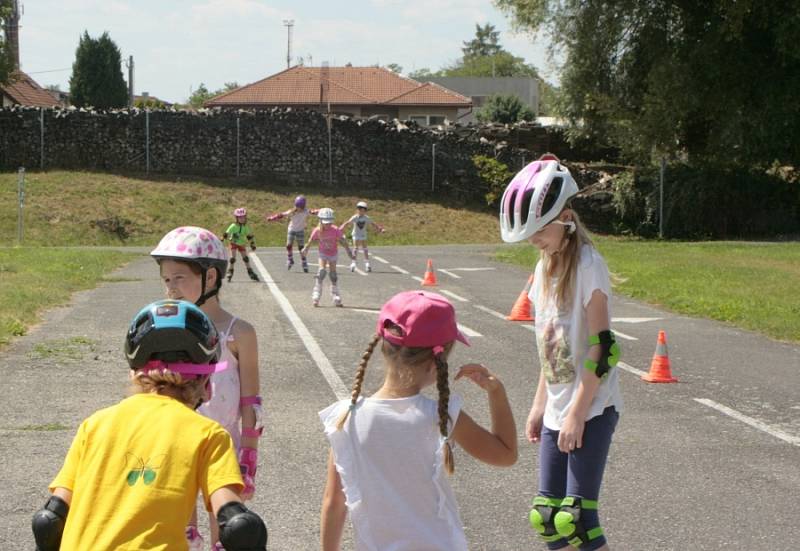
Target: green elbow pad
(609, 353)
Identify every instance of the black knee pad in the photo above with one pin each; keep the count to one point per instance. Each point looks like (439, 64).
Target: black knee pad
(48, 524)
(321, 273)
(232, 260)
(568, 521)
(542, 517)
(246, 259)
(240, 529)
(334, 277)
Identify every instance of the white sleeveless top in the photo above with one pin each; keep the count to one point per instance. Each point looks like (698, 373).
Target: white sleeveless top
(390, 457)
(226, 391)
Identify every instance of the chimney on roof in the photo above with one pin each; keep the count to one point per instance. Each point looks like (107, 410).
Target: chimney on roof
(11, 32)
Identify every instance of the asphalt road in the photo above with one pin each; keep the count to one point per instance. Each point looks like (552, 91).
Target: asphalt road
(712, 462)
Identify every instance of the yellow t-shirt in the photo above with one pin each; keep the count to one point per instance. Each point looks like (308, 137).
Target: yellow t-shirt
(134, 470)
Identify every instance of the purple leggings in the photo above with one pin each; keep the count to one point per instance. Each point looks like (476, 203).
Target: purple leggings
(580, 473)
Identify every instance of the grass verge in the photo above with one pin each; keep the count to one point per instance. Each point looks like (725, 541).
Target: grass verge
(751, 285)
(82, 208)
(34, 279)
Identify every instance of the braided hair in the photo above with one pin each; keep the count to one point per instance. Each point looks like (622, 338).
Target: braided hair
(362, 368)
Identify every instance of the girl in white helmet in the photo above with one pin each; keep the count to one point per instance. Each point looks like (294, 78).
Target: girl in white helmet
(360, 221)
(237, 233)
(577, 402)
(329, 237)
(192, 262)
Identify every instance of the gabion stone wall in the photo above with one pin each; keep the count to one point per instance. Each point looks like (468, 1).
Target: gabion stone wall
(281, 145)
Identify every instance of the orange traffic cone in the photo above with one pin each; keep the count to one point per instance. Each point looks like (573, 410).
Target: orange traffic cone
(659, 367)
(430, 277)
(521, 311)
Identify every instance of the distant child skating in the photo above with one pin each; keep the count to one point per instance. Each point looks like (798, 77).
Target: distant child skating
(578, 401)
(296, 233)
(329, 237)
(237, 233)
(390, 453)
(360, 222)
(132, 474)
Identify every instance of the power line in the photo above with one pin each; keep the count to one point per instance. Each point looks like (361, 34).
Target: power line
(49, 71)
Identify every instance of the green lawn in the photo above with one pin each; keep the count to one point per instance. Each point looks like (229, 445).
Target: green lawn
(34, 279)
(751, 285)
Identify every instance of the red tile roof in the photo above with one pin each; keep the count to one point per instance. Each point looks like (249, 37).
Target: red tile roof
(346, 86)
(23, 90)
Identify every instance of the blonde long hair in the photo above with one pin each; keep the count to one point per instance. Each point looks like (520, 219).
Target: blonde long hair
(407, 358)
(564, 264)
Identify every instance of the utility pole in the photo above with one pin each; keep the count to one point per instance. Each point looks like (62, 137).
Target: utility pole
(130, 82)
(288, 23)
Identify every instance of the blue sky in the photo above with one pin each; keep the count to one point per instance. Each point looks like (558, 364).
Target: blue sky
(177, 44)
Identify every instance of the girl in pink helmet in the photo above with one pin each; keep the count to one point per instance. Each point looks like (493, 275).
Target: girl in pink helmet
(298, 218)
(237, 232)
(390, 453)
(577, 402)
(329, 238)
(192, 262)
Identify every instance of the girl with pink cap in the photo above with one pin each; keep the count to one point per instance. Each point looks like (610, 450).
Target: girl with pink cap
(192, 262)
(390, 453)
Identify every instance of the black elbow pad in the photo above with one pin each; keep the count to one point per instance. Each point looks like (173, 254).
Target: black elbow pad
(48, 524)
(240, 529)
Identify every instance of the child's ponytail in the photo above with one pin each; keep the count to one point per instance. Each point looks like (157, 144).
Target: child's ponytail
(362, 368)
(444, 403)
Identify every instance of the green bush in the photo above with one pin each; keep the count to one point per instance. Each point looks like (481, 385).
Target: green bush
(708, 202)
(495, 174)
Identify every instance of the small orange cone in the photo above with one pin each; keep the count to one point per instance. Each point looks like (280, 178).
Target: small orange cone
(521, 311)
(430, 277)
(659, 367)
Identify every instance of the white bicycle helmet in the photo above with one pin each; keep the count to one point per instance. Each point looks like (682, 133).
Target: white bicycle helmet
(361, 205)
(325, 215)
(534, 198)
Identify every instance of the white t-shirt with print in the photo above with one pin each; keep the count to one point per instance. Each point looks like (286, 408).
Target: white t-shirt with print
(562, 339)
(390, 458)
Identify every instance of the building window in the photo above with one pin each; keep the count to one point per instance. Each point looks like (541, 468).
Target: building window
(429, 120)
(421, 120)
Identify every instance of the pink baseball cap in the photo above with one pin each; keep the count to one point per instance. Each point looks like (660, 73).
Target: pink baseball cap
(427, 320)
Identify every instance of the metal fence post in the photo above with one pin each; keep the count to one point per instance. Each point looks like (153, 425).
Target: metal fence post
(433, 168)
(20, 202)
(661, 199)
(147, 140)
(237, 145)
(41, 138)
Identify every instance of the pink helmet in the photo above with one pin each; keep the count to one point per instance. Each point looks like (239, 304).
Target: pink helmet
(198, 245)
(534, 198)
(240, 212)
(300, 202)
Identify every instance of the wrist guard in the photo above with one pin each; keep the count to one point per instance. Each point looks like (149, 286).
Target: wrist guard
(248, 463)
(609, 353)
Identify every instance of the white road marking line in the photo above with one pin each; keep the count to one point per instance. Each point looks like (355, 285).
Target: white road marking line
(624, 336)
(417, 278)
(379, 259)
(467, 331)
(365, 310)
(633, 320)
(453, 295)
(631, 369)
(398, 269)
(494, 313)
(451, 274)
(755, 423)
(324, 365)
(472, 269)
(529, 327)
(359, 271)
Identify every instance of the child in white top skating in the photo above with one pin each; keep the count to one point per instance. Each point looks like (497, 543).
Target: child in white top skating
(360, 221)
(298, 218)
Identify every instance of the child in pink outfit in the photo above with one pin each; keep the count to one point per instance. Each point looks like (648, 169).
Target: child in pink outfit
(328, 236)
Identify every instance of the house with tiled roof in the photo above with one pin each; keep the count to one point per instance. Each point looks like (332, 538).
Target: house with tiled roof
(23, 90)
(353, 91)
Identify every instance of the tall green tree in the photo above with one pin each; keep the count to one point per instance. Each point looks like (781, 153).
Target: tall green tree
(714, 82)
(486, 42)
(96, 79)
(6, 63)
